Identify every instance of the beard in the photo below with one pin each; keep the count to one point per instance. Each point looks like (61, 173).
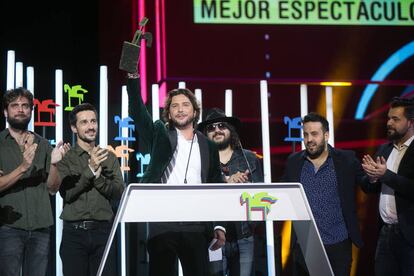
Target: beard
(20, 124)
(179, 124)
(223, 144)
(395, 135)
(318, 151)
(87, 139)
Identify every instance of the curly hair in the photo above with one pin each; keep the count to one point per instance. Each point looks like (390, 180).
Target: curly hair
(12, 94)
(190, 96)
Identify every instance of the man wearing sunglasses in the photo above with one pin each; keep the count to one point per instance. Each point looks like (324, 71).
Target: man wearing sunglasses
(239, 166)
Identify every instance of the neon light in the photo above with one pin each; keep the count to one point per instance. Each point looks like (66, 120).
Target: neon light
(163, 91)
(30, 87)
(58, 137)
(155, 102)
(199, 97)
(228, 102)
(329, 114)
(143, 62)
(19, 74)
(10, 69)
(103, 106)
(336, 83)
(384, 70)
(160, 52)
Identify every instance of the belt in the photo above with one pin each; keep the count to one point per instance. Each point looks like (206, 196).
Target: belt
(87, 224)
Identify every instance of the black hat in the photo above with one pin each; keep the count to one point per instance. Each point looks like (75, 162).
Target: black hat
(215, 115)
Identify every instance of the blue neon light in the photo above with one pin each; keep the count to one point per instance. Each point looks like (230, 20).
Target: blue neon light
(385, 69)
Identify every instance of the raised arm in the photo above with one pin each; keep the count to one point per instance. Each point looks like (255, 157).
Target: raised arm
(144, 126)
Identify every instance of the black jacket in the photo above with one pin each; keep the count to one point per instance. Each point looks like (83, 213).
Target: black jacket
(349, 173)
(403, 185)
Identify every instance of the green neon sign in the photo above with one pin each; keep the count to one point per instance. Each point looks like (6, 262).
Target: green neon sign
(305, 12)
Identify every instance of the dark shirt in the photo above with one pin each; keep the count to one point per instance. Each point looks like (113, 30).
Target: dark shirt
(238, 163)
(84, 196)
(322, 192)
(26, 204)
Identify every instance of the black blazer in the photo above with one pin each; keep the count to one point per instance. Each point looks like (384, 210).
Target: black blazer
(348, 173)
(403, 185)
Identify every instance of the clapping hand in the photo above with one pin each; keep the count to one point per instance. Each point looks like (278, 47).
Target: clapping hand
(239, 177)
(59, 151)
(374, 169)
(98, 155)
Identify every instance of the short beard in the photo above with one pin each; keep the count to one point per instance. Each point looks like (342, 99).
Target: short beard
(395, 136)
(174, 123)
(18, 124)
(317, 153)
(223, 144)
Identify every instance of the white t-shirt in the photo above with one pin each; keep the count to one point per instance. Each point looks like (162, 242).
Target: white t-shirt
(178, 175)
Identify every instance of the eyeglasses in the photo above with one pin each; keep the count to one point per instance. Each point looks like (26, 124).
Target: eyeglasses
(212, 127)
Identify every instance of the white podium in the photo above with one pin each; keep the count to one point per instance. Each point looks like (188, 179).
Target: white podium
(225, 202)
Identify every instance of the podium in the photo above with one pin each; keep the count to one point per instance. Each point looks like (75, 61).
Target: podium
(225, 202)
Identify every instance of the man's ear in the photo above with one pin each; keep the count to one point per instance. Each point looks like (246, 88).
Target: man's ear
(326, 135)
(73, 128)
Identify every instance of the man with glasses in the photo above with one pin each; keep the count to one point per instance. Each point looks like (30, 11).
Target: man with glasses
(239, 166)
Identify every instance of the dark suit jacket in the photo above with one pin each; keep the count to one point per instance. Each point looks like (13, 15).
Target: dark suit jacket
(348, 173)
(403, 185)
(162, 143)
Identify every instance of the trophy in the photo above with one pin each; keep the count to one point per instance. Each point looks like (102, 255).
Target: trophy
(131, 50)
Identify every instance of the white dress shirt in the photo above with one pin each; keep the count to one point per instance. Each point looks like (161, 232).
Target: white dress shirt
(387, 208)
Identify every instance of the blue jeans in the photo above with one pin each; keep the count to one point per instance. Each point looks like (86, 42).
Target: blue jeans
(238, 258)
(26, 250)
(394, 255)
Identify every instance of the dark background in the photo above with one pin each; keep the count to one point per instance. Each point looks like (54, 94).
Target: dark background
(79, 36)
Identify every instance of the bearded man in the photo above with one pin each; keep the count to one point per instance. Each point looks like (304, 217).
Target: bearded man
(328, 176)
(179, 155)
(28, 174)
(391, 173)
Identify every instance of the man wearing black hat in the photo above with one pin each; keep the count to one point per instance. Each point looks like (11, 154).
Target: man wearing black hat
(239, 166)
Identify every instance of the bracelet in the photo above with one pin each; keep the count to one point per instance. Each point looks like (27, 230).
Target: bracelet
(133, 75)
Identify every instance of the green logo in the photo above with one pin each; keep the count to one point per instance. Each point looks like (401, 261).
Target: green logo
(259, 202)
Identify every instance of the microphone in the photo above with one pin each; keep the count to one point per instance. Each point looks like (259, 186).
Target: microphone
(245, 159)
(189, 156)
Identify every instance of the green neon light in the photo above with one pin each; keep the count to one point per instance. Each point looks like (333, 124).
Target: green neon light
(308, 12)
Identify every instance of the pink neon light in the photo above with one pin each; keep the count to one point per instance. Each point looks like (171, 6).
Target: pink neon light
(143, 61)
(158, 39)
(160, 50)
(164, 42)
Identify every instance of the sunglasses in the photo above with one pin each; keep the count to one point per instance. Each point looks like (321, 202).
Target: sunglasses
(212, 127)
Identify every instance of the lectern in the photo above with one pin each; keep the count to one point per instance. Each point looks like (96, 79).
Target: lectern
(225, 202)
